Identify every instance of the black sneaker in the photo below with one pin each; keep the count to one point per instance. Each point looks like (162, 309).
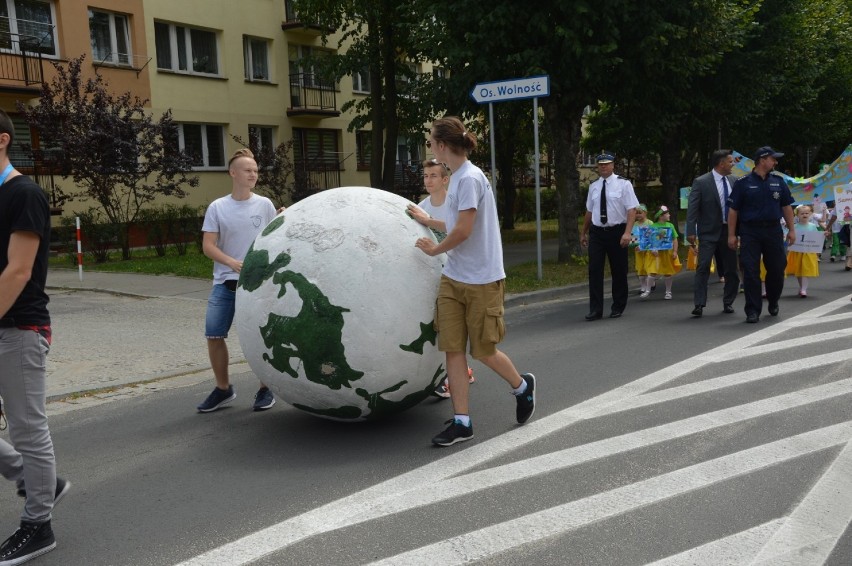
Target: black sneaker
(62, 487)
(456, 432)
(216, 399)
(526, 400)
(442, 390)
(263, 399)
(28, 542)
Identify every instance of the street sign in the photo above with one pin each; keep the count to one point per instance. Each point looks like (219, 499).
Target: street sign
(512, 89)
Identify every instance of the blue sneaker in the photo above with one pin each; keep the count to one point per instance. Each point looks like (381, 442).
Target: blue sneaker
(263, 399)
(526, 400)
(216, 399)
(456, 432)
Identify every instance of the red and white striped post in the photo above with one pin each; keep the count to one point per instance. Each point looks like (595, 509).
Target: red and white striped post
(79, 252)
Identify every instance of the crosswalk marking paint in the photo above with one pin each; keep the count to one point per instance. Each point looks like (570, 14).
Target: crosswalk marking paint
(379, 499)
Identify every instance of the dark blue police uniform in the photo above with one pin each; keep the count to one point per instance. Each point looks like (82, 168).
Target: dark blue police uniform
(758, 203)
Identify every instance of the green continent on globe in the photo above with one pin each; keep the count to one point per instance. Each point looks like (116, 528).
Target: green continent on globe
(380, 407)
(273, 226)
(314, 336)
(257, 269)
(427, 334)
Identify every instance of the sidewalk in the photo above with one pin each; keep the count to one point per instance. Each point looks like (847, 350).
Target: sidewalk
(131, 328)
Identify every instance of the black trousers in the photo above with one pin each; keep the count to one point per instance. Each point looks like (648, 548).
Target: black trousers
(605, 244)
(727, 266)
(764, 241)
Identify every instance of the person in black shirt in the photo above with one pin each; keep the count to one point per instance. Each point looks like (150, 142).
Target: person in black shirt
(24, 342)
(757, 203)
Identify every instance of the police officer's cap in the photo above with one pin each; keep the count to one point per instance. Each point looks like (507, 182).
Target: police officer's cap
(766, 151)
(605, 157)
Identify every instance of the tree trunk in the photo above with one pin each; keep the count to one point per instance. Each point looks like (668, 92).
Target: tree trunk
(562, 118)
(376, 104)
(671, 170)
(391, 120)
(506, 142)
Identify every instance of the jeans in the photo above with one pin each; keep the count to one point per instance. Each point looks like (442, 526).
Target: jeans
(220, 312)
(29, 460)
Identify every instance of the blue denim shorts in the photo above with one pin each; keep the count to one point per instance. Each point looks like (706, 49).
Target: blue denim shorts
(220, 312)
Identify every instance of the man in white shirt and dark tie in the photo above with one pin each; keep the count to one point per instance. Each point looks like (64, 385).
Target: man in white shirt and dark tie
(607, 226)
(707, 218)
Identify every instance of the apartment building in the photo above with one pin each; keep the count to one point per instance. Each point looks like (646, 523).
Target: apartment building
(36, 33)
(224, 70)
(241, 69)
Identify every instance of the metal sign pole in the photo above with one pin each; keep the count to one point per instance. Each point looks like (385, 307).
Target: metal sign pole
(537, 188)
(493, 158)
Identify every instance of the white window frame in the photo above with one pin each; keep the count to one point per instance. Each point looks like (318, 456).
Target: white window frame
(13, 28)
(361, 81)
(259, 128)
(205, 146)
(173, 50)
(115, 55)
(248, 57)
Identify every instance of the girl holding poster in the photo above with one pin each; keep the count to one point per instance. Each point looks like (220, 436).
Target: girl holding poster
(802, 264)
(664, 260)
(640, 255)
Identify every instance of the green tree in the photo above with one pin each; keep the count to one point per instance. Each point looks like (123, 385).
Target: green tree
(573, 42)
(377, 38)
(108, 144)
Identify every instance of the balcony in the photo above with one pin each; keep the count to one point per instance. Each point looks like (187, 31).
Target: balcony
(311, 95)
(293, 23)
(315, 174)
(323, 172)
(21, 65)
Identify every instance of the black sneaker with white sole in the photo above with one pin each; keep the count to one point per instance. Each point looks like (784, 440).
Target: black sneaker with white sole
(456, 432)
(28, 542)
(263, 399)
(526, 400)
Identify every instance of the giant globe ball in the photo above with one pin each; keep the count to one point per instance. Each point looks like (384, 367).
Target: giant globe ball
(335, 306)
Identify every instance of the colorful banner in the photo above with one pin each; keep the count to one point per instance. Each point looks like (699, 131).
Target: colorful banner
(843, 203)
(804, 191)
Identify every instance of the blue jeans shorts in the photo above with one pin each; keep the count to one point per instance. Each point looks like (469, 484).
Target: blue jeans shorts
(220, 312)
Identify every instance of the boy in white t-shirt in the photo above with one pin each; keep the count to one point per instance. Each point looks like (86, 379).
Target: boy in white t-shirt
(433, 214)
(470, 295)
(231, 224)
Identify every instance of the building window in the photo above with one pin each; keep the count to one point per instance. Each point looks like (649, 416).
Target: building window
(28, 25)
(185, 49)
(256, 55)
(303, 61)
(110, 34)
(316, 147)
(205, 143)
(361, 81)
(363, 151)
(260, 139)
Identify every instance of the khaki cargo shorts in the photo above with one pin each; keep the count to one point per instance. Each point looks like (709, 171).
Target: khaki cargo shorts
(470, 313)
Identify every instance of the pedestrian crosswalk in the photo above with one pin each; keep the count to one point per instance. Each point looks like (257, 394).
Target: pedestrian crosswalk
(728, 400)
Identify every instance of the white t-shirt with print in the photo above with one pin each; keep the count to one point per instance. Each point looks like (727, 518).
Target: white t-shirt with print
(238, 222)
(479, 259)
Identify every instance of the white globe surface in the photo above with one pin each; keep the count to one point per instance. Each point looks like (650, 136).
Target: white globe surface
(335, 306)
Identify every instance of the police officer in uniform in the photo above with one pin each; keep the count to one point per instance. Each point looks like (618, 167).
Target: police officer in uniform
(757, 203)
(607, 226)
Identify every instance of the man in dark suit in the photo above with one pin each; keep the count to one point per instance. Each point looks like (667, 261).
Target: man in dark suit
(707, 216)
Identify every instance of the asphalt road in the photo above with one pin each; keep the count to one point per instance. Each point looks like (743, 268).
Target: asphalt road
(657, 439)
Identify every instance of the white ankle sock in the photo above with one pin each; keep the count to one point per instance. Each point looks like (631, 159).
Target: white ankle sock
(463, 419)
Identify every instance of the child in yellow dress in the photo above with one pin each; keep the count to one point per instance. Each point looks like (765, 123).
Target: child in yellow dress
(641, 256)
(664, 262)
(803, 265)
